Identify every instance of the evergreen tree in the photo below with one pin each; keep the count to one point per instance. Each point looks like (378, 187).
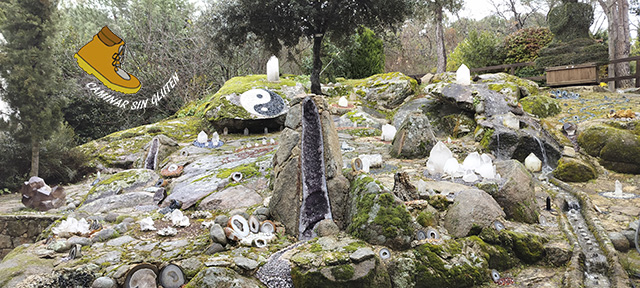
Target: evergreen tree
(29, 72)
(366, 56)
(278, 22)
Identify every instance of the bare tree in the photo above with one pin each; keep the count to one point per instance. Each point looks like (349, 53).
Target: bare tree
(617, 12)
(520, 12)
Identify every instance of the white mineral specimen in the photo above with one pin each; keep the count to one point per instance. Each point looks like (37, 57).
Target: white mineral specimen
(421, 186)
(167, 232)
(472, 162)
(178, 219)
(469, 176)
(463, 75)
(71, 226)
(438, 158)
(487, 170)
(532, 163)
(215, 138)
(452, 167)
(202, 137)
(388, 132)
(146, 224)
(375, 160)
(342, 102)
(273, 69)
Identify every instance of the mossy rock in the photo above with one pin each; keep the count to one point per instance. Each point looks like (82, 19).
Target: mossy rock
(224, 110)
(122, 182)
(123, 149)
(378, 217)
(529, 248)
(20, 263)
(618, 149)
(434, 267)
(510, 85)
(369, 273)
(574, 170)
(541, 106)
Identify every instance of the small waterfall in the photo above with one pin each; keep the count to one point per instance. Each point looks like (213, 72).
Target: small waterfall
(152, 157)
(545, 159)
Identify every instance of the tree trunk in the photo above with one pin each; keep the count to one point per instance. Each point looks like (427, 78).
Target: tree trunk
(618, 22)
(35, 158)
(317, 64)
(441, 53)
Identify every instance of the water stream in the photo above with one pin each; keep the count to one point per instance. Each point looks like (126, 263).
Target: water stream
(593, 261)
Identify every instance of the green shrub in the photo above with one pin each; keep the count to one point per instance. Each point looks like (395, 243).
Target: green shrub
(570, 21)
(479, 49)
(524, 44)
(365, 56)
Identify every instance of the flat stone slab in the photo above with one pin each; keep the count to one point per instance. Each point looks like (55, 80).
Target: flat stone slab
(231, 198)
(120, 241)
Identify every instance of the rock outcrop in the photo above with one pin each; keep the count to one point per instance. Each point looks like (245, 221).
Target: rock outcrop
(471, 208)
(287, 184)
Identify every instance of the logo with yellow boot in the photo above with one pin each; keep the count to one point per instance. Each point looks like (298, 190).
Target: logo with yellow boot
(102, 57)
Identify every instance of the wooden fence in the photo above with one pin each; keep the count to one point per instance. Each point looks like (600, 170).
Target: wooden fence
(510, 67)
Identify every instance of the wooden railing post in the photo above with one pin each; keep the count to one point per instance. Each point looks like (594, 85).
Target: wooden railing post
(637, 73)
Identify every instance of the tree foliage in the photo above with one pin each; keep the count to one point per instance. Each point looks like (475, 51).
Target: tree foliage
(278, 23)
(365, 56)
(435, 10)
(30, 73)
(479, 49)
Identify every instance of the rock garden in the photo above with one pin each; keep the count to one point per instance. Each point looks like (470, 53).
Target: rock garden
(381, 182)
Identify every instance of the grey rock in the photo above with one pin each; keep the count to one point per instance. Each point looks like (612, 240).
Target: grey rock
(114, 202)
(214, 248)
(231, 198)
(409, 108)
(216, 277)
(197, 181)
(240, 212)
(216, 233)
(414, 139)
(191, 266)
(103, 235)
(59, 246)
(388, 91)
(630, 235)
(557, 253)
(361, 254)
(122, 227)
(128, 220)
(111, 257)
(104, 282)
(619, 241)
(120, 241)
(262, 213)
(111, 217)
(459, 220)
(84, 241)
(327, 227)
(125, 182)
(245, 263)
(222, 220)
(517, 194)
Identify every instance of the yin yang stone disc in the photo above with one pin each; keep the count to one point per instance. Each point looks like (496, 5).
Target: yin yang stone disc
(262, 102)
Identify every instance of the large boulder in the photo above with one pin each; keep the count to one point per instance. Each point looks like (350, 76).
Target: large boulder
(36, 194)
(574, 170)
(128, 148)
(287, 182)
(471, 208)
(133, 180)
(249, 102)
(516, 195)
(617, 148)
(410, 107)
(337, 262)
(386, 91)
(414, 139)
(377, 216)
(509, 85)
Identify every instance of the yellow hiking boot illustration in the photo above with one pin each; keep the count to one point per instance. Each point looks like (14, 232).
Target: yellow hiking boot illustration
(102, 57)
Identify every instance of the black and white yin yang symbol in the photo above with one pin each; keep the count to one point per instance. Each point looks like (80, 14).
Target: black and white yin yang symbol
(262, 102)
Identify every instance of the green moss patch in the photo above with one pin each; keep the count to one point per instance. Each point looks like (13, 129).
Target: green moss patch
(574, 170)
(541, 106)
